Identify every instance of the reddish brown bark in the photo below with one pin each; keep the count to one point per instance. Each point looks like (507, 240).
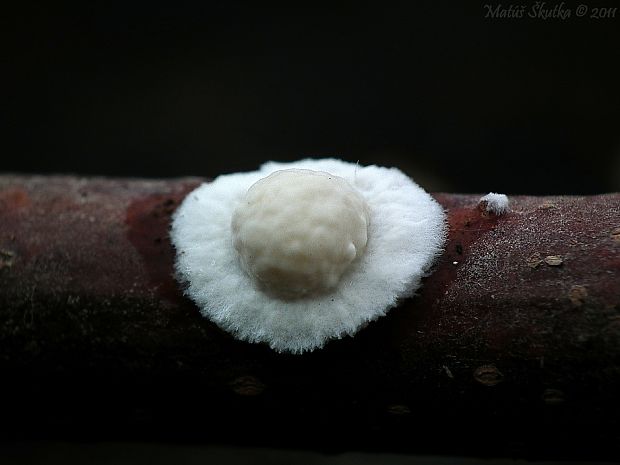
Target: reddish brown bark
(513, 341)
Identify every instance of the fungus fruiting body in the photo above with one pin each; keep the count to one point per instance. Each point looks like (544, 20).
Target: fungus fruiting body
(295, 254)
(297, 231)
(495, 203)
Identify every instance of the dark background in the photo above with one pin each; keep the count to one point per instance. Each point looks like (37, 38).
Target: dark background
(459, 101)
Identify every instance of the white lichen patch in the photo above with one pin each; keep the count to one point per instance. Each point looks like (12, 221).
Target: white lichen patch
(495, 203)
(293, 260)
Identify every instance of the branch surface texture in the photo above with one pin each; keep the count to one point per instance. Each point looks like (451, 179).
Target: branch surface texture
(512, 346)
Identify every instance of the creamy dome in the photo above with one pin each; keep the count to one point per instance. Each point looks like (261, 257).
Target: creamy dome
(298, 230)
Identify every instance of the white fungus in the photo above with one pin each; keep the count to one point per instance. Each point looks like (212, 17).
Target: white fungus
(297, 231)
(295, 254)
(495, 203)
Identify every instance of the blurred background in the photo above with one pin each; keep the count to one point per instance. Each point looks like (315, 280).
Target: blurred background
(459, 101)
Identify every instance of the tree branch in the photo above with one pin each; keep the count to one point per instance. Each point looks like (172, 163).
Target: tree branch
(511, 347)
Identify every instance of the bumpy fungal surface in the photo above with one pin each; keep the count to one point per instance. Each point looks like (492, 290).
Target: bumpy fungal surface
(297, 231)
(295, 254)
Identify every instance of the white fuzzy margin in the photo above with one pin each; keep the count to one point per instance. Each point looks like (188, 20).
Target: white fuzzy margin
(407, 231)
